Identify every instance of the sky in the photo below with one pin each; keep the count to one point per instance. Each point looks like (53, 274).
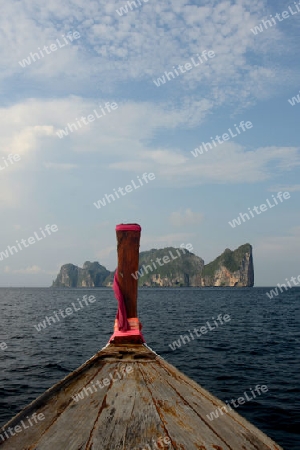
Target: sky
(102, 74)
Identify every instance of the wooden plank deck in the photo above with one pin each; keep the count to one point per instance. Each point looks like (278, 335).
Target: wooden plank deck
(144, 398)
(126, 397)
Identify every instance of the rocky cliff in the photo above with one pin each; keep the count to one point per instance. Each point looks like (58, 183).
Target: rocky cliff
(232, 268)
(181, 269)
(170, 267)
(91, 275)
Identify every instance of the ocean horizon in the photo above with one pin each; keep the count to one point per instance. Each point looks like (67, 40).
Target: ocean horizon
(258, 346)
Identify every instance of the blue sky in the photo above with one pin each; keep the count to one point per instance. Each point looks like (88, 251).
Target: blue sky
(153, 130)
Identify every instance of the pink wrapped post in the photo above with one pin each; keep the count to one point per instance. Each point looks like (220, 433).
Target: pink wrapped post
(127, 327)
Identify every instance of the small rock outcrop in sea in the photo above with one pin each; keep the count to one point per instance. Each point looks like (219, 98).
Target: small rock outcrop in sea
(231, 268)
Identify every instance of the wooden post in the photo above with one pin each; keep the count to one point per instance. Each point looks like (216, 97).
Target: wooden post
(128, 263)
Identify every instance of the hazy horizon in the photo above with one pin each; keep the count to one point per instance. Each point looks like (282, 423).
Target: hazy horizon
(180, 116)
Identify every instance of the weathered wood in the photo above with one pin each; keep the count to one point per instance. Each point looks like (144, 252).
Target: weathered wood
(154, 400)
(128, 263)
(128, 398)
(230, 427)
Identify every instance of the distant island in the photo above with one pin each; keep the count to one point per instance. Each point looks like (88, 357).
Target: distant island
(169, 267)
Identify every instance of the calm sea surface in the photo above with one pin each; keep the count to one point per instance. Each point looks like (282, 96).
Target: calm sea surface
(260, 345)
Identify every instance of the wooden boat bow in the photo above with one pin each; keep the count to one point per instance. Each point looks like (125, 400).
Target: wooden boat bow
(126, 397)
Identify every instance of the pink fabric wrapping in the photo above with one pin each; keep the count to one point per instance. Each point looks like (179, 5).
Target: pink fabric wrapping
(135, 333)
(121, 313)
(129, 227)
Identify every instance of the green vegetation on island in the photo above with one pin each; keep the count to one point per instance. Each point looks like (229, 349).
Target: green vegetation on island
(168, 267)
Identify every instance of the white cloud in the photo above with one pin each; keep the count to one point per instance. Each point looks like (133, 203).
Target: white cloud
(30, 270)
(56, 179)
(13, 189)
(60, 166)
(227, 163)
(285, 188)
(106, 252)
(115, 49)
(186, 218)
(165, 240)
(122, 141)
(285, 246)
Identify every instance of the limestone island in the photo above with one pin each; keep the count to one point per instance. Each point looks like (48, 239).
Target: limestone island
(169, 267)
